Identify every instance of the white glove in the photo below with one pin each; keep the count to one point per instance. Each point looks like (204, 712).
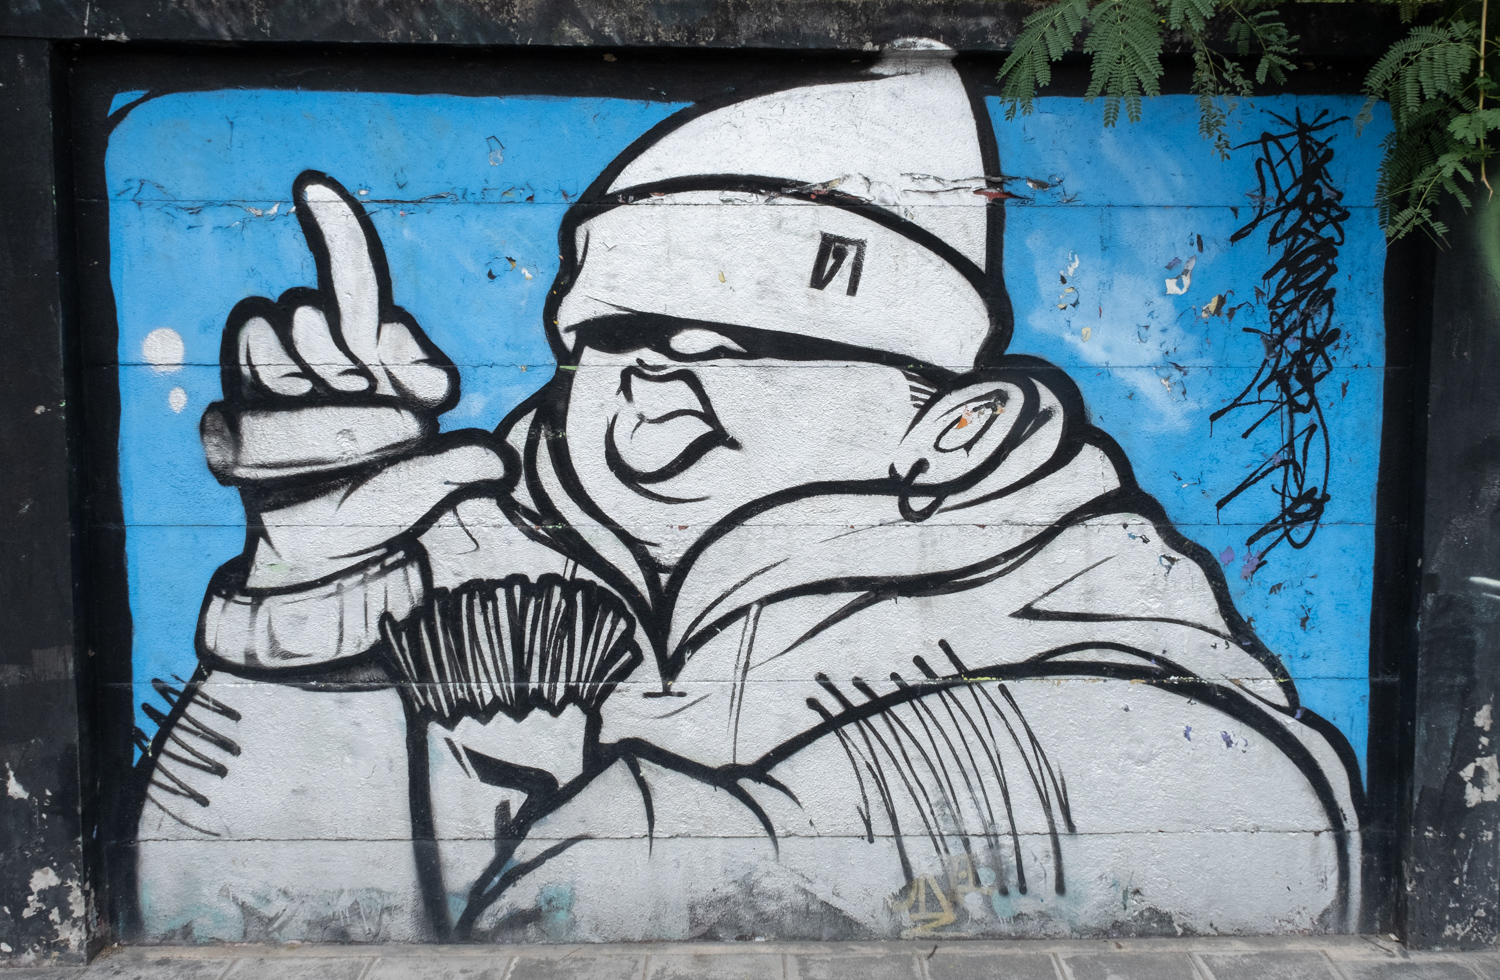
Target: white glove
(328, 425)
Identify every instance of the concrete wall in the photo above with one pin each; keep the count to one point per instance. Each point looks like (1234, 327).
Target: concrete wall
(634, 495)
(831, 509)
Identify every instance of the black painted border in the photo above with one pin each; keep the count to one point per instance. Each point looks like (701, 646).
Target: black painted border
(1397, 574)
(42, 664)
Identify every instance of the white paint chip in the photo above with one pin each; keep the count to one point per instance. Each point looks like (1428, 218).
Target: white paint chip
(1483, 779)
(1484, 718)
(13, 787)
(76, 903)
(42, 877)
(163, 350)
(177, 398)
(1182, 283)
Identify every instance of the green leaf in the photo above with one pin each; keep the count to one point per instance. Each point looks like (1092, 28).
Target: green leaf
(1441, 136)
(1431, 62)
(1125, 42)
(1045, 37)
(1473, 127)
(1194, 13)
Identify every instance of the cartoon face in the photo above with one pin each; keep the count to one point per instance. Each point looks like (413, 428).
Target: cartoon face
(680, 423)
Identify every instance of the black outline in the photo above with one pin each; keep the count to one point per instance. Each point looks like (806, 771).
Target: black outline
(103, 415)
(1306, 218)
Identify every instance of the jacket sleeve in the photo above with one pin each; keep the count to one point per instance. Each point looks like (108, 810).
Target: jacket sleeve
(278, 783)
(271, 801)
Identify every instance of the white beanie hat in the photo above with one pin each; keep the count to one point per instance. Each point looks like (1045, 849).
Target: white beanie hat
(856, 212)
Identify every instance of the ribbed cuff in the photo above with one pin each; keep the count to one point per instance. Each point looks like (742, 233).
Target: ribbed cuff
(316, 625)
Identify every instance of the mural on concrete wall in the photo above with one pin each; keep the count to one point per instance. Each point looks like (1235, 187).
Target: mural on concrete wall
(823, 575)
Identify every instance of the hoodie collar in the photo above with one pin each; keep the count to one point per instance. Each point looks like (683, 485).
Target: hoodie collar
(843, 542)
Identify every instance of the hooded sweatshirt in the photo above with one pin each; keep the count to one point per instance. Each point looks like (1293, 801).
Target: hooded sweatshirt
(833, 671)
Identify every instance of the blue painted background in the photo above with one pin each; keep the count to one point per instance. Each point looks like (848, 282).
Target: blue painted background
(460, 187)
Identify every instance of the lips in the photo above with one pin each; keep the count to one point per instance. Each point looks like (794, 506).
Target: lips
(664, 426)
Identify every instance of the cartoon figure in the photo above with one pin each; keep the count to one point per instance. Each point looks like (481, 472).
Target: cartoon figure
(794, 604)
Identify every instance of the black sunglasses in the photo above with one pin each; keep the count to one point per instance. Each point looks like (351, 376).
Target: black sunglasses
(624, 333)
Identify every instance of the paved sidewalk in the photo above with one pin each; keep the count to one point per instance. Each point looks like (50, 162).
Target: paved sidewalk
(1333, 958)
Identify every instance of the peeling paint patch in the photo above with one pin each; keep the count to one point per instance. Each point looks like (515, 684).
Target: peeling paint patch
(40, 878)
(67, 913)
(1484, 717)
(1483, 779)
(1252, 562)
(13, 787)
(1183, 282)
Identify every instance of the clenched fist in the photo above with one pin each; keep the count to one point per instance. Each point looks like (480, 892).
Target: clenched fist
(328, 425)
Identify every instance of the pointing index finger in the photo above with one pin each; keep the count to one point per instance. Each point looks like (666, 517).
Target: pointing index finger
(350, 260)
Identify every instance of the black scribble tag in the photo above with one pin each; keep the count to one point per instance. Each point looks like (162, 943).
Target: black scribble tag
(1304, 215)
(513, 645)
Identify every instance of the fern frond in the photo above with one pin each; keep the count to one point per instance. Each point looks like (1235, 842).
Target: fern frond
(1218, 85)
(1263, 31)
(1474, 127)
(1219, 80)
(1431, 61)
(1441, 135)
(1045, 37)
(1193, 14)
(1125, 41)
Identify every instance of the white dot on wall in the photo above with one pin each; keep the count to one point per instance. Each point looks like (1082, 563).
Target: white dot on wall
(163, 349)
(177, 398)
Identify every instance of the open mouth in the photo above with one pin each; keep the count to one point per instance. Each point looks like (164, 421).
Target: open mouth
(665, 424)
